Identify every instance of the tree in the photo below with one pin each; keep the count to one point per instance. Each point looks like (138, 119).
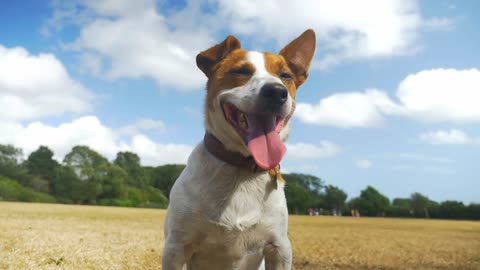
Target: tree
(452, 210)
(163, 177)
(473, 211)
(371, 202)
(303, 192)
(401, 207)
(299, 199)
(90, 167)
(433, 209)
(85, 162)
(67, 186)
(41, 165)
(334, 198)
(9, 154)
(130, 162)
(10, 165)
(114, 183)
(310, 182)
(305, 184)
(419, 204)
(402, 203)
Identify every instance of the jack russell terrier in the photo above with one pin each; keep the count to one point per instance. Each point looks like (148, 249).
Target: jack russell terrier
(228, 208)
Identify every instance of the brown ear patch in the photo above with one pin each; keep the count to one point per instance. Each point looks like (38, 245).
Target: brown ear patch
(207, 60)
(299, 54)
(223, 78)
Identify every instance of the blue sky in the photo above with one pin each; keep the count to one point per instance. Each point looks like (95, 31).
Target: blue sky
(391, 100)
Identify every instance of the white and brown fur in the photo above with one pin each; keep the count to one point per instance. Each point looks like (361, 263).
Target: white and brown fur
(221, 216)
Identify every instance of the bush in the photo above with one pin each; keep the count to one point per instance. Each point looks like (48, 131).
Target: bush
(473, 211)
(9, 189)
(13, 191)
(156, 198)
(137, 196)
(116, 202)
(149, 197)
(398, 211)
(42, 197)
(452, 210)
(40, 185)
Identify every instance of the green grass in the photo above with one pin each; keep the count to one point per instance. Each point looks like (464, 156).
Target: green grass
(53, 236)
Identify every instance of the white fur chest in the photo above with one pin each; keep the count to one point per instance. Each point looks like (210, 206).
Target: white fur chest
(231, 214)
(247, 204)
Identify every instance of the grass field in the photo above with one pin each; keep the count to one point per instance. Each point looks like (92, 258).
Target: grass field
(50, 236)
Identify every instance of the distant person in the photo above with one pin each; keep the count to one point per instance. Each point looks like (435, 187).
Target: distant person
(310, 211)
(354, 214)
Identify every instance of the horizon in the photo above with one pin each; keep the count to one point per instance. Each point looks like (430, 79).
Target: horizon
(390, 101)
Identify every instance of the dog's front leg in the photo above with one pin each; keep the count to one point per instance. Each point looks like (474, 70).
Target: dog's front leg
(173, 257)
(176, 255)
(278, 255)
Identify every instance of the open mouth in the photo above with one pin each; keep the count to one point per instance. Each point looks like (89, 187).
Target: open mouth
(260, 131)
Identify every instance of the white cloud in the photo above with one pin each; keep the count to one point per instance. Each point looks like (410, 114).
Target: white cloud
(453, 136)
(33, 86)
(348, 109)
(143, 125)
(89, 131)
(436, 95)
(364, 163)
(120, 7)
(346, 30)
(148, 39)
(442, 95)
(127, 39)
(85, 130)
(156, 154)
(309, 151)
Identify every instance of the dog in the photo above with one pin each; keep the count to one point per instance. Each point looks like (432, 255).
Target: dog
(227, 208)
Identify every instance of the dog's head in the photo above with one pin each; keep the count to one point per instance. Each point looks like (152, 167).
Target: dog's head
(251, 95)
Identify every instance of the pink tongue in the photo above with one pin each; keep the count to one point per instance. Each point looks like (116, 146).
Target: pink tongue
(264, 143)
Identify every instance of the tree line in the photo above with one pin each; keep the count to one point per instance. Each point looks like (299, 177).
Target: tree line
(307, 191)
(86, 177)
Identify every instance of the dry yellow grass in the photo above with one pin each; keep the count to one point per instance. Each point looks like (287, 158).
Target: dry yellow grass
(380, 243)
(49, 236)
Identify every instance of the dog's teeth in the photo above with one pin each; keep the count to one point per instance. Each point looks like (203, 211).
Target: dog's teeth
(242, 121)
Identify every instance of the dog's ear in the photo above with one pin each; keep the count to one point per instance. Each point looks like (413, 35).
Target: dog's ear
(207, 60)
(299, 54)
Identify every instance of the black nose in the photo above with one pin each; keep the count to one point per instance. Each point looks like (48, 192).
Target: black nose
(274, 93)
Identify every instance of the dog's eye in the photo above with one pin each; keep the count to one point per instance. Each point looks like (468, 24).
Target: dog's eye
(285, 76)
(243, 71)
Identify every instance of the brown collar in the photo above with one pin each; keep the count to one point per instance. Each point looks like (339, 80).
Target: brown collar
(217, 149)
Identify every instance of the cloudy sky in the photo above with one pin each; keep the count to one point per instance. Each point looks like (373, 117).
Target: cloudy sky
(392, 99)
